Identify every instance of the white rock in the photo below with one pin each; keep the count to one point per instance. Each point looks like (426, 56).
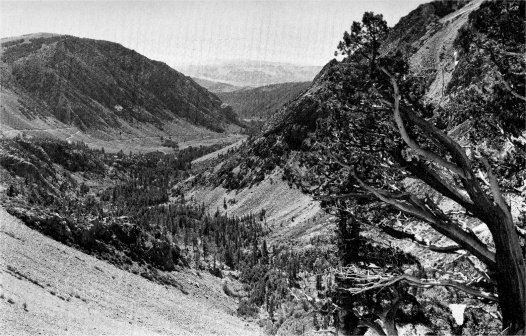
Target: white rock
(457, 311)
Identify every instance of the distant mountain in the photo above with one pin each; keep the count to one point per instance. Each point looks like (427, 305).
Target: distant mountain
(252, 73)
(99, 86)
(217, 87)
(261, 102)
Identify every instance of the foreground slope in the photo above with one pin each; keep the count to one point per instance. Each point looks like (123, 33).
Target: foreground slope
(70, 293)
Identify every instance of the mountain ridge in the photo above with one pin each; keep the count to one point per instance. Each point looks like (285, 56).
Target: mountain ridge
(252, 73)
(95, 85)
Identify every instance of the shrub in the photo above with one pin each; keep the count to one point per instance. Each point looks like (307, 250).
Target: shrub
(227, 290)
(247, 309)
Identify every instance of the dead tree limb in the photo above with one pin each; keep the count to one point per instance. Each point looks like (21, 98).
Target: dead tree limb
(399, 234)
(370, 281)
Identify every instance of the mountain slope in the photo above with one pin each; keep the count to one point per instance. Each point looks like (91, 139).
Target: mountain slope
(100, 85)
(347, 116)
(71, 293)
(294, 138)
(261, 102)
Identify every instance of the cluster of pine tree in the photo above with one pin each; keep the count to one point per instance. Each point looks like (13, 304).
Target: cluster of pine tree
(107, 204)
(121, 207)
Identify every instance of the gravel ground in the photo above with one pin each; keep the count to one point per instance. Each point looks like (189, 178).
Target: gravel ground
(51, 289)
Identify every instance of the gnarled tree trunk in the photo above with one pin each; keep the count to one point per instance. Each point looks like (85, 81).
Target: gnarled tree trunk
(510, 272)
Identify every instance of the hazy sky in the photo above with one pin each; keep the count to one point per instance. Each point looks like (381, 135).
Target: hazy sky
(198, 32)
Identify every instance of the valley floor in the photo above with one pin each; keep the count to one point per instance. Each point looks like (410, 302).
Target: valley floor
(48, 288)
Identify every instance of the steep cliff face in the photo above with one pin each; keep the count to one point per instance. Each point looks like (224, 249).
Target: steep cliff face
(94, 84)
(426, 36)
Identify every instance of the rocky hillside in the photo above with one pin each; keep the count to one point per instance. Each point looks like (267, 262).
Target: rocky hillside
(64, 292)
(261, 102)
(425, 37)
(438, 55)
(434, 54)
(99, 85)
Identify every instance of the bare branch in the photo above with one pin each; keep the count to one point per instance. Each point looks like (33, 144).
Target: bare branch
(349, 195)
(479, 270)
(431, 156)
(520, 232)
(435, 180)
(321, 331)
(502, 80)
(399, 234)
(454, 284)
(517, 54)
(458, 153)
(495, 190)
(372, 325)
(509, 88)
(431, 214)
(377, 281)
(468, 179)
(398, 204)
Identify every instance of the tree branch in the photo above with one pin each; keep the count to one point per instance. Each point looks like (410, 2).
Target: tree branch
(520, 232)
(431, 156)
(502, 80)
(372, 325)
(349, 195)
(382, 281)
(399, 234)
(437, 182)
(438, 221)
(495, 190)
(477, 195)
(517, 54)
(509, 88)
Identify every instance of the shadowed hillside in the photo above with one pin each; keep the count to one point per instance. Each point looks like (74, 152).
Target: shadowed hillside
(100, 85)
(260, 103)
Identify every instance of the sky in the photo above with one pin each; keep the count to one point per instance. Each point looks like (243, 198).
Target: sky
(204, 31)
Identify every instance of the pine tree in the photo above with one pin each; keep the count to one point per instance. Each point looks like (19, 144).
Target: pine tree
(315, 321)
(319, 285)
(264, 253)
(206, 249)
